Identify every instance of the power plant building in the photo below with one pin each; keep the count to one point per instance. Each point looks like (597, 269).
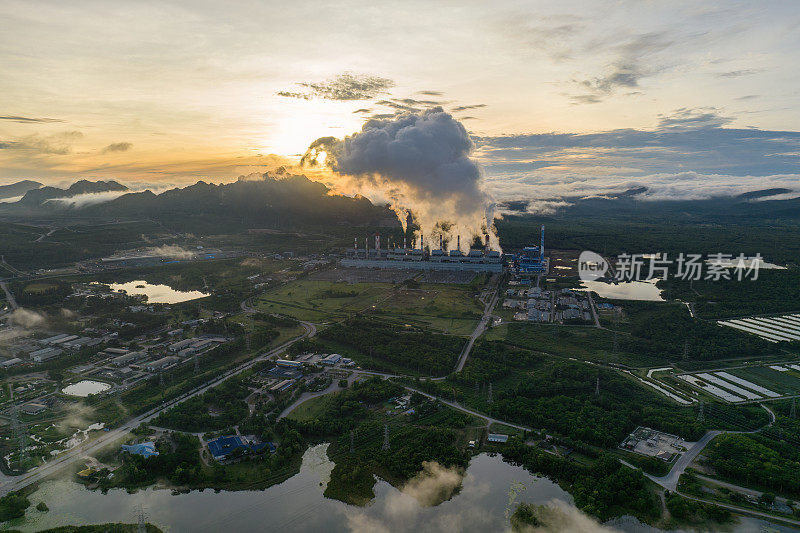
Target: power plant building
(422, 259)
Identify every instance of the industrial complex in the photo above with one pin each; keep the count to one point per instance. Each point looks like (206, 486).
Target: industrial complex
(530, 262)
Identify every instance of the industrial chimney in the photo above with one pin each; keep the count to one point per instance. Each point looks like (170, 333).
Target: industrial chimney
(377, 241)
(541, 248)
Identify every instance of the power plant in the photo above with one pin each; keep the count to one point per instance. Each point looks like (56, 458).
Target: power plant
(423, 259)
(530, 262)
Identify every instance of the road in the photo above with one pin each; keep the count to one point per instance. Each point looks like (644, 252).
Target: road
(481, 327)
(9, 297)
(489, 420)
(67, 458)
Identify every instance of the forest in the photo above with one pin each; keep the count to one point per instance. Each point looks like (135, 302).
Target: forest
(392, 346)
(218, 408)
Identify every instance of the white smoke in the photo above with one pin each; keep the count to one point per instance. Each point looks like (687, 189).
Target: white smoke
(420, 162)
(172, 251)
(26, 318)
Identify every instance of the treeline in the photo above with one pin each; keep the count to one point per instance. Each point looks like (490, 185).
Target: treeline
(194, 414)
(560, 395)
(392, 346)
(604, 489)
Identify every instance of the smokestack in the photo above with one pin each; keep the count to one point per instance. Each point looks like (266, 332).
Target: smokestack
(366, 244)
(487, 244)
(404, 244)
(541, 248)
(421, 242)
(459, 243)
(377, 241)
(441, 242)
(355, 243)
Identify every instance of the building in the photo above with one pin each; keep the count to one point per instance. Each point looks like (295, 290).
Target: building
(128, 358)
(286, 363)
(116, 351)
(33, 408)
(281, 386)
(423, 258)
(54, 338)
(331, 359)
(10, 362)
(145, 449)
(497, 437)
(221, 448)
(180, 345)
(162, 363)
(40, 356)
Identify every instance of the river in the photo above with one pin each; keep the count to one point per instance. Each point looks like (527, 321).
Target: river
(298, 504)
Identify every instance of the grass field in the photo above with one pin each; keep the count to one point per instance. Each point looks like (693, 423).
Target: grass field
(309, 409)
(773, 380)
(322, 300)
(447, 308)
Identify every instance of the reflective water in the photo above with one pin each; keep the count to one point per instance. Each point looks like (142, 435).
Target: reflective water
(157, 294)
(633, 290)
(490, 489)
(85, 388)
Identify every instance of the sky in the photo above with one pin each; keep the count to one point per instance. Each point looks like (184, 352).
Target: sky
(690, 99)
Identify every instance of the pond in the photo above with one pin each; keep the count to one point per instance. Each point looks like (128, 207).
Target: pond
(85, 388)
(489, 489)
(631, 290)
(157, 294)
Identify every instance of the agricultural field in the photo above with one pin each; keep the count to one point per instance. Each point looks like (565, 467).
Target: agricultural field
(785, 328)
(747, 383)
(448, 308)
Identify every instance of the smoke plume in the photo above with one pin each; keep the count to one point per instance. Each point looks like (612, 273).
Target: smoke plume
(26, 319)
(420, 163)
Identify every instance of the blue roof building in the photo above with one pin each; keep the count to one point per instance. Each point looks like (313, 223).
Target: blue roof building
(145, 449)
(222, 447)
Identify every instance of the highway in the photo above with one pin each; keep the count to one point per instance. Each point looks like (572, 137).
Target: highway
(78, 453)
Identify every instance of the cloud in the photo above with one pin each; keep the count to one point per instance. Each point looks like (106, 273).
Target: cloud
(57, 144)
(740, 73)
(419, 162)
(25, 120)
(629, 67)
(430, 93)
(117, 147)
(345, 87)
(82, 200)
(557, 517)
(465, 107)
(691, 154)
(172, 251)
(693, 118)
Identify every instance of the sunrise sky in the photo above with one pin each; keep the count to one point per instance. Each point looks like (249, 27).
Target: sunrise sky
(693, 98)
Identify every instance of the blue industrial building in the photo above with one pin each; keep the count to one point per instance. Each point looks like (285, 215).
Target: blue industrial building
(145, 449)
(531, 260)
(222, 447)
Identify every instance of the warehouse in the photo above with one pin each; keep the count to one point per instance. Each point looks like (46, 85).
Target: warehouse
(162, 363)
(44, 354)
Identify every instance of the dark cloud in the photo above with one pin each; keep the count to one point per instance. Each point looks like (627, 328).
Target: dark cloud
(625, 72)
(687, 140)
(739, 73)
(117, 147)
(693, 118)
(23, 120)
(749, 97)
(363, 110)
(430, 93)
(345, 87)
(465, 107)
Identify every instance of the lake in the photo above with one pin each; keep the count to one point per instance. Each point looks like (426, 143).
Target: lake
(157, 294)
(490, 487)
(632, 290)
(85, 388)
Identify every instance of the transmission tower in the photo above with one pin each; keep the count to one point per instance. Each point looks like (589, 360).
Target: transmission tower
(386, 436)
(197, 364)
(793, 411)
(161, 379)
(489, 397)
(597, 387)
(686, 350)
(701, 417)
(352, 445)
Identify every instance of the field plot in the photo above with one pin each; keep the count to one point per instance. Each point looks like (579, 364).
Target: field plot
(748, 384)
(322, 300)
(448, 308)
(781, 382)
(711, 389)
(773, 329)
(727, 385)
